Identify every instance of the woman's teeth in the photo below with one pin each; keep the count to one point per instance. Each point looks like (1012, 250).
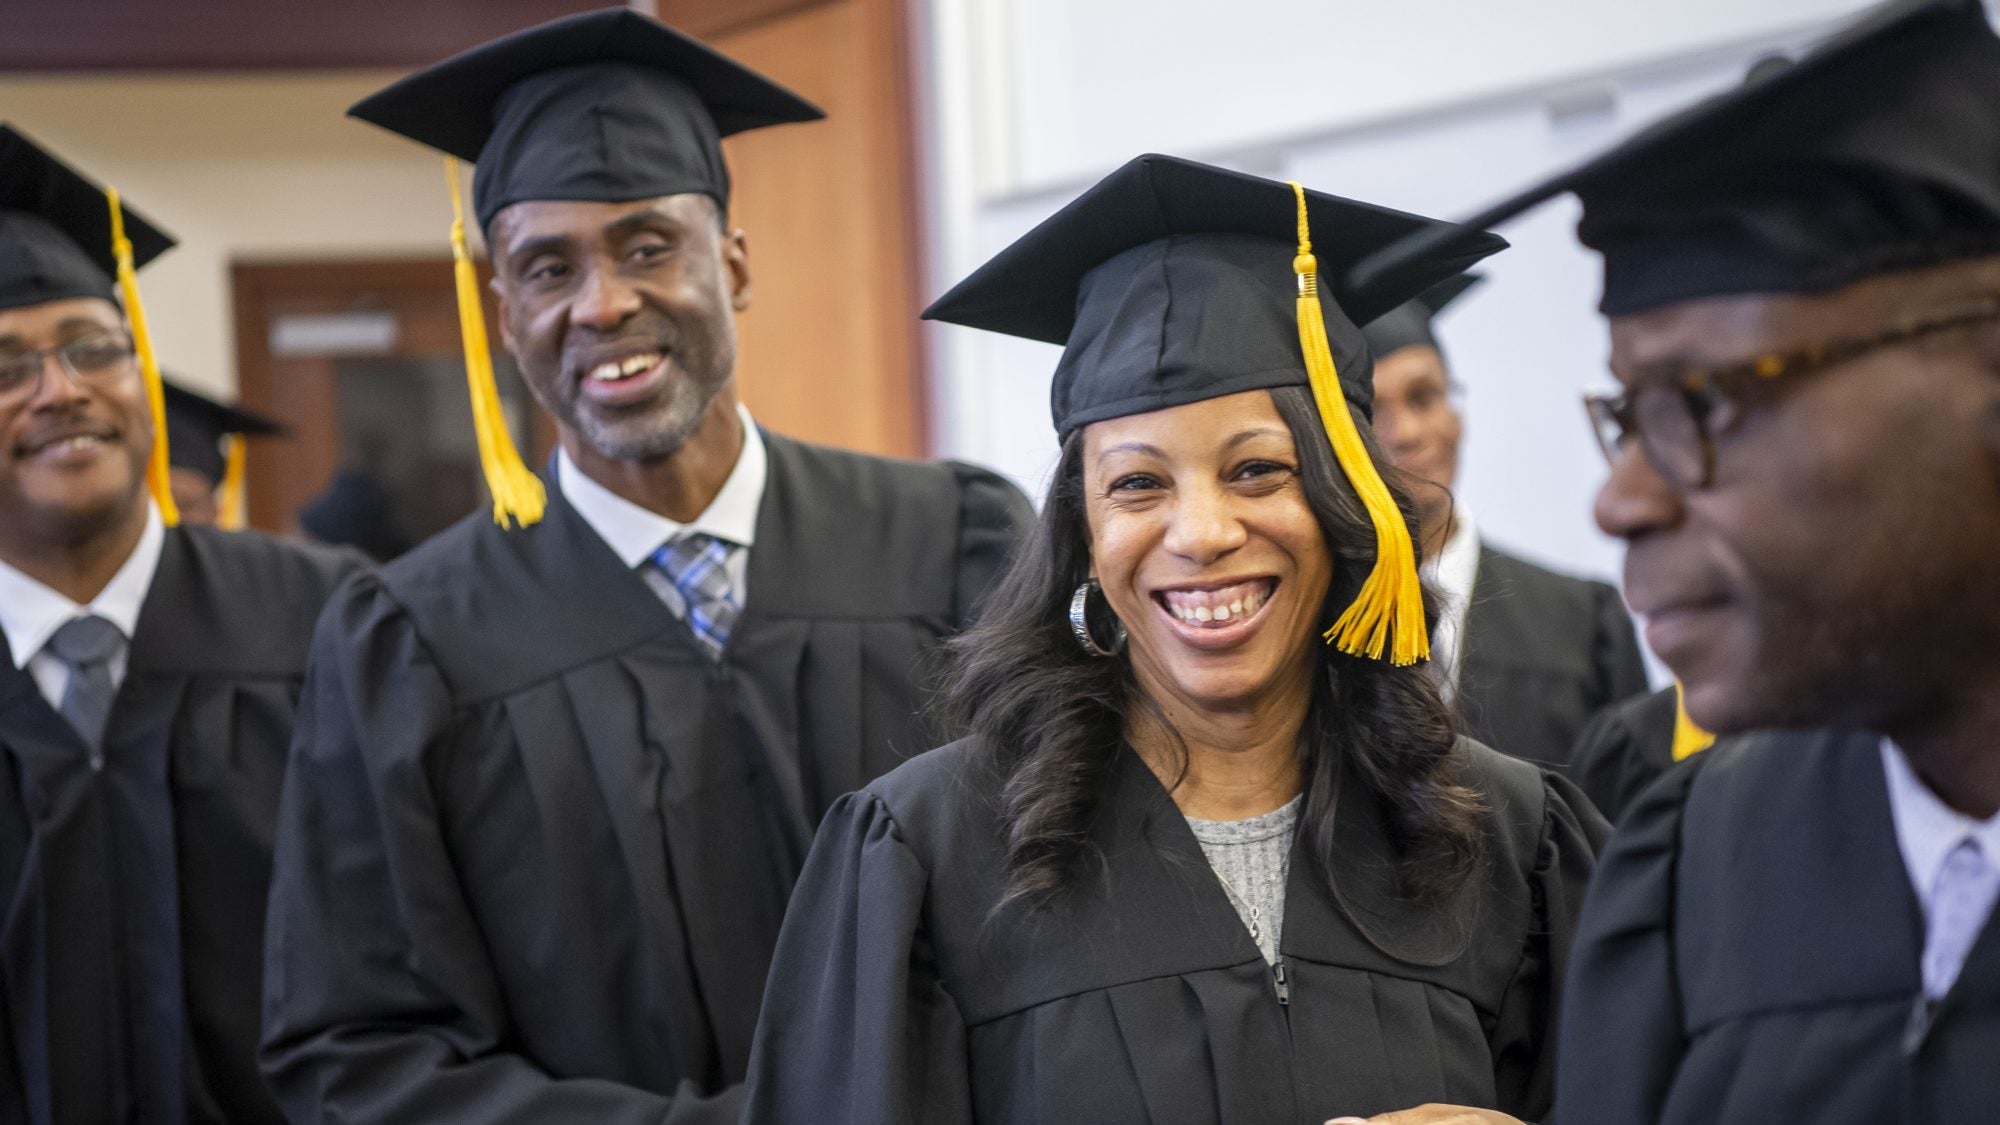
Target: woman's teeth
(614, 370)
(1217, 607)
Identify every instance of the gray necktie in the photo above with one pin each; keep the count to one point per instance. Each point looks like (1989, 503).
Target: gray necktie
(86, 645)
(1967, 884)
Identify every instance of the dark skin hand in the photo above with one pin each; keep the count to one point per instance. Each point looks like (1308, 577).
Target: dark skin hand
(1433, 1114)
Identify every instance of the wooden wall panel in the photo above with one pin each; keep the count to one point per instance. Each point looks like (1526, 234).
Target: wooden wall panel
(830, 346)
(56, 35)
(711, 19)
(256, 34)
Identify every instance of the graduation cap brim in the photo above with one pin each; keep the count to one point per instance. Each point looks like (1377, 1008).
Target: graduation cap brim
(1030, 288)
(35, 183)
(1438, 297)
(1703, 127)
(196, 425)
(1410, 323)
(449, 106)
(218, 418)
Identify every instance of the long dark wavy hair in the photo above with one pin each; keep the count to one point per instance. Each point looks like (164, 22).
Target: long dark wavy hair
(1052, 718)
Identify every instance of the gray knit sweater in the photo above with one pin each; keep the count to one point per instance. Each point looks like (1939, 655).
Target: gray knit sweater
(1252, 858)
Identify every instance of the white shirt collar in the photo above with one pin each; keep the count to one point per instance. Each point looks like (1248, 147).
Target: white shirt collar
(1927, 829)
(1456, 566)
(1453, 570)
(634, 533)
(30, 612)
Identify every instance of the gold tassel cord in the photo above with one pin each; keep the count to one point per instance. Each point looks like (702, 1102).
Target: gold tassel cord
(1689, 739)
(518, 494)
(158, 467)
(1388, 614)
(232, 509)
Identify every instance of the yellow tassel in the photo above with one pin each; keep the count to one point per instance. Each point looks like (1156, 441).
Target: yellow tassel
(232, 508)
(1689, 739)
(1388, 614)
(158, 467)
(518, 495)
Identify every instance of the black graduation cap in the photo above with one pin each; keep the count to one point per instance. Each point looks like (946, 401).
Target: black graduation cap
(1409, 324)
(55, 229)
(1171, 282)
(196, 425)
(610, 106)
(1878, 150)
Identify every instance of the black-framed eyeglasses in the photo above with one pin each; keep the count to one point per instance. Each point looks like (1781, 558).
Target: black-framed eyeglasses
(1670, 410)
(93, 359)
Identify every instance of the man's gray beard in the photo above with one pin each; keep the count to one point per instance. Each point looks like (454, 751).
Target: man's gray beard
(651, 438)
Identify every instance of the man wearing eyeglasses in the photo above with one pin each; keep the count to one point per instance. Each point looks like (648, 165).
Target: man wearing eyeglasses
(145, 706)
(1803, 284)
(1528, 655)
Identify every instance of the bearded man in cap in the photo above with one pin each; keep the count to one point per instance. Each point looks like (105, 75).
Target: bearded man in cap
(561, 770)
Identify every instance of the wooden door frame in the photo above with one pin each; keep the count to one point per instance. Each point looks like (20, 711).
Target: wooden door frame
(259, 289)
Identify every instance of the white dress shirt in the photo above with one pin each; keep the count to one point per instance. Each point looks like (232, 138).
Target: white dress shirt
(1927, 830)
(1453, 570)
(633, 533)
(31, 612)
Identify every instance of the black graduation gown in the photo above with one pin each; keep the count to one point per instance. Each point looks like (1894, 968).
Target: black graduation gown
(1750, 953)
(900, 996)
(537, 845)
(1543, 652)
(1623, 749)
(132, 898)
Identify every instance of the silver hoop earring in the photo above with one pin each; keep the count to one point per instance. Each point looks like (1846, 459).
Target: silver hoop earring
(1079, 623)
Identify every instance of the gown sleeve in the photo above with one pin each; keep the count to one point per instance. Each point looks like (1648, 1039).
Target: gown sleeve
(1622, 667)
(1621, 1021)
(1524, 1037)
(857, 1026)
(380, 1001)
(993, 516)
(1623, 749)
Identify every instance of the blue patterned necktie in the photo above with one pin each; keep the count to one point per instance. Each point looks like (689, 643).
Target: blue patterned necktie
(86, 645)
(697, 565)
(1962, 900)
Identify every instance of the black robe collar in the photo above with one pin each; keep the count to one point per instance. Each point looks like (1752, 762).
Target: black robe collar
(1150, 905)
(826, 521)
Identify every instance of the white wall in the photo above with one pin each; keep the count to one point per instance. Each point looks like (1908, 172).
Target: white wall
(1435, 106)
(238, 167)
(1193, 76)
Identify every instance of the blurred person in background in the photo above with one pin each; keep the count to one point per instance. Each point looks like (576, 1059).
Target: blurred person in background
(205, 440)
(1527, 654)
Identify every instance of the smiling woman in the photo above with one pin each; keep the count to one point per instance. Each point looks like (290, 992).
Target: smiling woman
(1198, 526)
(1237, 865)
